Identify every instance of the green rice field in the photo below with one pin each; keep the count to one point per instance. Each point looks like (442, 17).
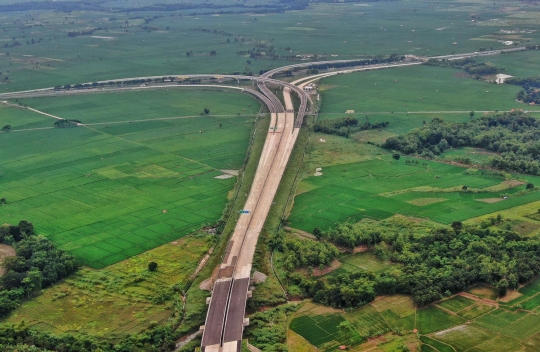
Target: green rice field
(414, 89)
(126, 45)
(383, 187)
(503, 326)
(456, 304)
(454, 324)
(319, 325)
(110, 191)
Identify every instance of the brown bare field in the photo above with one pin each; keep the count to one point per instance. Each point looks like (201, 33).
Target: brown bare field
(510, 295)
(525, 227)
(489, 200)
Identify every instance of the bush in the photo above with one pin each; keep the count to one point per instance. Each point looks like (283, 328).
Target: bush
(152, 266)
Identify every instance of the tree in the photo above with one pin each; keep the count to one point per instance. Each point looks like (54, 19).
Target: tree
(206, 111)
(317, 233)
(530, 186)
(3, 200)
(346, 330)
(457, 226)
(471, 114)
(26, 227)
(464, 188)
(152, 266)
(32, 282)
(188, 54)
(6, 128)
(396, 156)
(502, 286)
(213, 53)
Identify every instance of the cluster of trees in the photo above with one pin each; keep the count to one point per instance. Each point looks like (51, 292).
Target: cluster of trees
(379, 59)
(530, 92)
(528, 96)
(215, 31)
(267, 330)
(526, 83)
(515, 135)
(468, 64)
(363, 233)
(430, 262)
(120, 83)
(344, 290)
(344, 126)
(158, 339)
(74, 34)
(36, 265)
(66, 123)
(299, 253)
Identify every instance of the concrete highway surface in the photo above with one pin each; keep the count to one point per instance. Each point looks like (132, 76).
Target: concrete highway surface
(225, 319)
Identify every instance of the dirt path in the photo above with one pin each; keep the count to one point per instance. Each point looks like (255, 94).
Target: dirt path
(44, 113)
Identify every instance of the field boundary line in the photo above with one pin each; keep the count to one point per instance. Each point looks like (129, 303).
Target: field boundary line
(382, 316)
(145, 146)
(501, 334)
(44, 113)
(444, 343)
(493, 332)
(447, 310)
(162, 118)
(30, 129)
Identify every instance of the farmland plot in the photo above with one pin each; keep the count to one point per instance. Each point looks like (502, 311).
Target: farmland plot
(107, 192)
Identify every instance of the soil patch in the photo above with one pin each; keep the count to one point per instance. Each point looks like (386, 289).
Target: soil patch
(513, 183)
(525, 227)
(300, 233)
(489, 200)
(482, 291)
(5, 251)
(360, 249)
(231, 172)
(317, 272)
(333, 266)
(510, 295)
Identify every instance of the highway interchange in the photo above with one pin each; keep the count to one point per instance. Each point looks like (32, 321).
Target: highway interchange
(225, 319)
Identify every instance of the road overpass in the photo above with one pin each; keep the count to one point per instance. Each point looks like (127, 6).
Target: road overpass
(225, 319)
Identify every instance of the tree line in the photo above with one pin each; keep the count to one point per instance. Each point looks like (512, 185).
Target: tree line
(515, 135)
(303, 253)
(529, 96)
(530, 92)
(468, 64)
(267, 329)
(429, 262)
(344, 126)
(36, 265)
